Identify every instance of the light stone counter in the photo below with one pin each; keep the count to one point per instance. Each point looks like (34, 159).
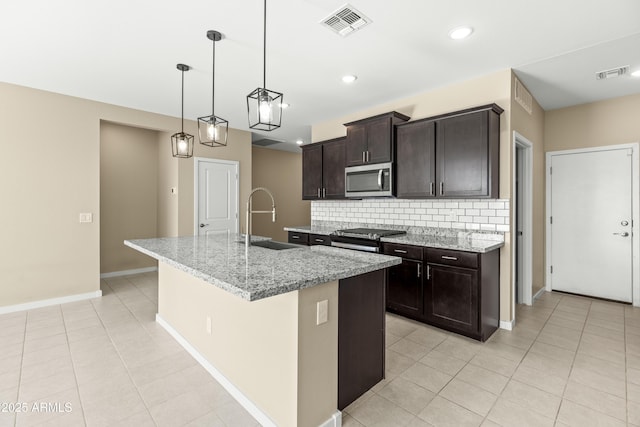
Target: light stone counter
(313, 229)
(221, 261)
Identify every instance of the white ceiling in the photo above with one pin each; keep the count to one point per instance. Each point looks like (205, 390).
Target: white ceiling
(125, 52)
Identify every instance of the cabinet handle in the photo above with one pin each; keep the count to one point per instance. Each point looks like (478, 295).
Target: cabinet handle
(400, 251)
(319, 240)
(451, 258)
(432, 188)
(419, 269)
(364, 157)
(295, 237)
(324, 193)
(368, 156)
(318, 192)
(441, 188)
(428, 272)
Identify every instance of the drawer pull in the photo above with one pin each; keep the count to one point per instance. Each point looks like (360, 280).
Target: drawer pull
(319, 240)
(419, 270)
(400, 251)
(451, 258)
(428, 272)
(295, 237)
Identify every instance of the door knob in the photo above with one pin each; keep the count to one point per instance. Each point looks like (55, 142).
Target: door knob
(202, 225)
(623, 234)
(624, 223)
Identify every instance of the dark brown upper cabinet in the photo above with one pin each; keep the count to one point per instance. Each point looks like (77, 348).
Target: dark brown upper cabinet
(323, 170)
(371, 140)
(455, 155)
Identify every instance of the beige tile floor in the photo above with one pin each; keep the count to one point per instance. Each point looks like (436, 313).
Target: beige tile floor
(570, 361)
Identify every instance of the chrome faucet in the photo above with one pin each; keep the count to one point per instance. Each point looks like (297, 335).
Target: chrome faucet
(247, 237)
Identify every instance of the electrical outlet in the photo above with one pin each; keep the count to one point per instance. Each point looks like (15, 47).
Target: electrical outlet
(86, 218)
(322, 312)
(209, 325)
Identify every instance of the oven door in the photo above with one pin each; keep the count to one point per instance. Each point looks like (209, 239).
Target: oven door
(369, 180)
(356, 244)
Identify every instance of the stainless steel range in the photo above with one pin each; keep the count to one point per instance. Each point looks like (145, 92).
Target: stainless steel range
(362, 239)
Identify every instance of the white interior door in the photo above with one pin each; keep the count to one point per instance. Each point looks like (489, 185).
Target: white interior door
(216, 197)
(591, 223)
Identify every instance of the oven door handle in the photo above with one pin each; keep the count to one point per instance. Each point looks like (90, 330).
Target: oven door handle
(356, 247)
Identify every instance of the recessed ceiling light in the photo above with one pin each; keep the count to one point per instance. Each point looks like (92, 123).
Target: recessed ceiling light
(349, 78)
(460, 33)
(299, 142)
(285, 105)
(636, 73)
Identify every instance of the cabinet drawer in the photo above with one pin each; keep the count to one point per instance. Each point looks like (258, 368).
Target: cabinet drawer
(454, 258)
(319, 239)
(404, 251)
(298, 237)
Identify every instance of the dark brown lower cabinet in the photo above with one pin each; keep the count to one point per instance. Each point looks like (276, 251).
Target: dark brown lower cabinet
(361, 326)
(319, 239)
(462, 291)
(405, 294)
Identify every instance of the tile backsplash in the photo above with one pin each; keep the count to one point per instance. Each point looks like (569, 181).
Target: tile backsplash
(462, 214)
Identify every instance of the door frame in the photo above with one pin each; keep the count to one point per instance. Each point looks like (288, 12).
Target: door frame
(635, 215)
(197, 161)
(520, 142)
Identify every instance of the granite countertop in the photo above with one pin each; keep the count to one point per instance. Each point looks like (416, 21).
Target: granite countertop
(431, 238)
(221, 260)
(467, 243)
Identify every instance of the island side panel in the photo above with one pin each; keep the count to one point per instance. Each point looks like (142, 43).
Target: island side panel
(318, 356)
(253, 344)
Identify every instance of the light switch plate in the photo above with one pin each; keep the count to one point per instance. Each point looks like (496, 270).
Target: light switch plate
(86, 217)
(322, 312)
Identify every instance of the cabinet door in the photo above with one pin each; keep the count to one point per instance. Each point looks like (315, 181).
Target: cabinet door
(416, 160)
(463, 155)
(405, 290)
(356, 144)
(333, 160)
(451, 298)
(379, 141)
(311, 171)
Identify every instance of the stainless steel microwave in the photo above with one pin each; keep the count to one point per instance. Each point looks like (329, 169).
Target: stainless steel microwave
(369, 180)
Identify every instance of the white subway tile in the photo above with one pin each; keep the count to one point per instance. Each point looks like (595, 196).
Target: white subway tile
(503, 228)
(480, 219)
(414, 217)
(472, 212)
(458, 225)
(451, 205)
(480, 205)
(464, 218)
(496, 205)
(444, 225)
(421, 223)
(431, 211)
(496, 220)
(472, 226)
(409, 210)
(438, 218)
(465, 205)
(421, 211)
(502, 212)
(426, 217)
(488, 227)
(432, 224)
(487, 212)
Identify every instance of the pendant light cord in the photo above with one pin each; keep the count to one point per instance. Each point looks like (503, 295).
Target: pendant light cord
(264, 48)
(213, 82)
(182, 106)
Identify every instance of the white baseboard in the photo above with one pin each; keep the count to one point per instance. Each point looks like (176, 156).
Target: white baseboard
(247, 404)
(334, 421)
(506, 324)
(128, 272)
(49, 302)
(539, 293)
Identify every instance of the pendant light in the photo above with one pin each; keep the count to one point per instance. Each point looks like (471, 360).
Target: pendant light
(213, 130)
(182, 143)
(264, 106)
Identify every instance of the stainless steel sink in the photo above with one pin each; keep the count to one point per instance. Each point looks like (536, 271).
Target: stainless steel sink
(277, 246)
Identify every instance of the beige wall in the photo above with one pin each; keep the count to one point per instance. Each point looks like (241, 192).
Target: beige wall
(128, 194)
(280, 172)
(270, 349)
(610, 122)
(531, 126)
(168, 167)
(492, 88)
(50, 165)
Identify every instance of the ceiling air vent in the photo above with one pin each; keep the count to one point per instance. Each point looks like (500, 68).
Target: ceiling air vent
(345, 20)
(523, 97)
(614, 72)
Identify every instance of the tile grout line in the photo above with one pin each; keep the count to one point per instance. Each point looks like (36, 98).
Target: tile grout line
(73, 367)
(24, 342)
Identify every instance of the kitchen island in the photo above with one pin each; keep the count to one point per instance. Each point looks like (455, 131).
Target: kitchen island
(265, 322)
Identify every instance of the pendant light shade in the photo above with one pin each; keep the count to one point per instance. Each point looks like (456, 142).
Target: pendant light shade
(182, 143)
(264, 106)
(213, 130)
